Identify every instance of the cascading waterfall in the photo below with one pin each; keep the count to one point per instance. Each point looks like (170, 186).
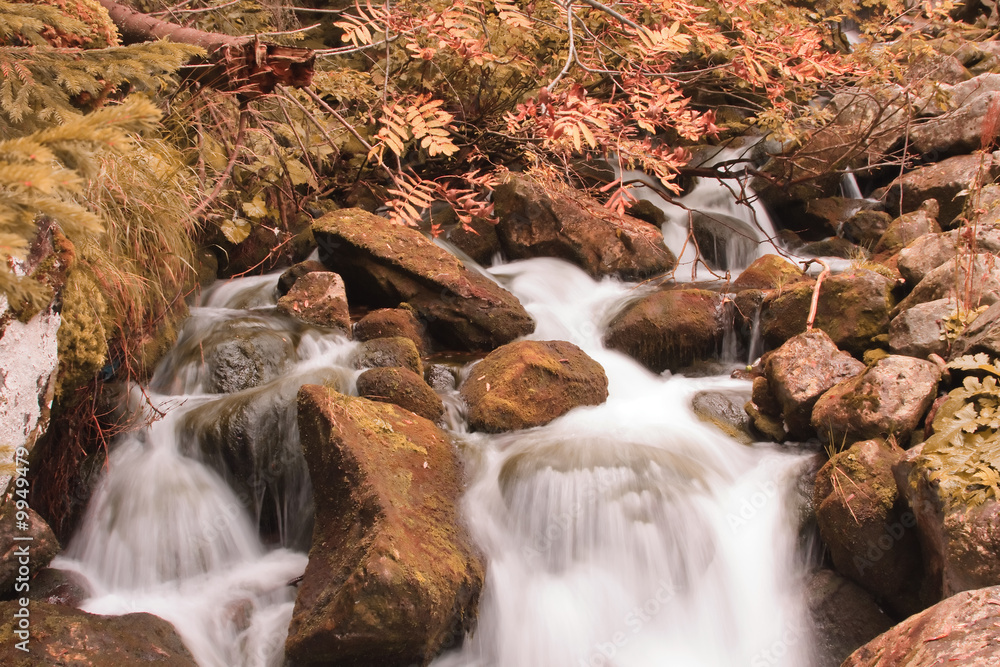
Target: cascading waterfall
(627, 534)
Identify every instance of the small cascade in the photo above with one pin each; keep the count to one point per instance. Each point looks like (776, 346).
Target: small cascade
(720, 220)
(849, 186)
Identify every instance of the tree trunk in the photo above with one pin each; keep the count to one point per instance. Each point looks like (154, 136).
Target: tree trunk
(244, 65)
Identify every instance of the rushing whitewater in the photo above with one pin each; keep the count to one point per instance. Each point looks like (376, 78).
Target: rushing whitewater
(627, 534)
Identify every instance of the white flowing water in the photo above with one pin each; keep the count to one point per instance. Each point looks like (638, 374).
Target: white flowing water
(628, 534)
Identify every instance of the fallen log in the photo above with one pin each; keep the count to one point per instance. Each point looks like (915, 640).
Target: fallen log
(245, 65)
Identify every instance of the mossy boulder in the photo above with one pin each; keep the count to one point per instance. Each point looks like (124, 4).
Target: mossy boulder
(908, 227)
(865, 522)
(766, 273)
(961, 539)
(535, 221)
(390, 322)
(890, 398)
(530, 383)
(853, 309)
(798, 373)
(394, 351)
(959, 130)
(833, 246)
(866, 227)
(961, 630)
(402, 387)
(919, 331)
(319, 298)
(930, 251)
(384, 265)
(478, 240)
(669, 329)
(977, 276)
(294, 272)
(392, 574)
(65, 636)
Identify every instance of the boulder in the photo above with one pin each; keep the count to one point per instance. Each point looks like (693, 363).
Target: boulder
(478, 240)
(767, 272)
(866, 227)
(981, 285)
(961, 630)
(538, 222)
(395, 351)
(63, 587)
(843, 617)
(402, 387)
(948, 181)
(43, 545)
(319, 298)
(244, 353)
(982, 335)
(530, 383)
(828, 215)
(958, 131)
(853, 309)
(388, 323)
(392, 574)
(65, 636)
(724, 410)
(909, 227)
(889, 398)
(918, 331)
(296, 271)
(930, 251)
(961, 538)
(384, 265)
(868, 528)
(800, 371)
(833, 246)
(668, 329)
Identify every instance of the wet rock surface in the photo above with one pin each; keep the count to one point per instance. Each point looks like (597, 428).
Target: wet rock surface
(384, 265)
(530, 383)
(402, 387)
(392, 574)
(388, 323)
(669, 329)
(395, 351)
(843, 617)
(318, 297)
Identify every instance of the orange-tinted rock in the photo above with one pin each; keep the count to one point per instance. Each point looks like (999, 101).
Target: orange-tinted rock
(318, 297)
(390, 322)
(767, 272)
(402, 387)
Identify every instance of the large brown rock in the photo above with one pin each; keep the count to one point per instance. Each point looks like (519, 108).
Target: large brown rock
(767, 272)
(958, 130)
(402, 387)
(962, 630)
(62, 635)
(948, 181)
(538, 222)
(889, 398)
(909, 227)
(871, 533)
(977, 278)
(918, 331)
(388, 323)
(384, 265)
(392, 574)
(800, 371)
(853, 309)
(530, 383)
(318, 297)
(669, 329)
(930, 251)
(394, 351)
(961, 539)
(982, 335)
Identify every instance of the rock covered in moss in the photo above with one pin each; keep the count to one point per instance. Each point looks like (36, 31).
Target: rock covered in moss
(402, 387)
(65, 636)
(388, 323)
(389, 352)
(320, 298)
(294, 272)
(889, 398)
(853, 309)
(962, 539)
(392, 574)
(539, 222)
(871, 533)
(669, 329)
(384, 265)
(800, 371)
(43, 546)
(767, 272)
(866, 227)
(834, 246)
(961, 630)
(530, 383)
